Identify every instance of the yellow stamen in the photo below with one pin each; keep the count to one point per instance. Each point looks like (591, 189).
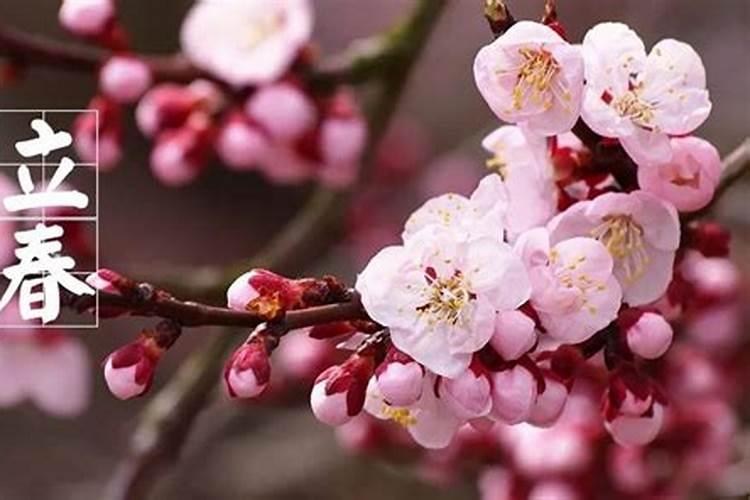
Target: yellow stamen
(630, 105)
(446, 299)
(623, 238)
(535, 78)
(402, 416)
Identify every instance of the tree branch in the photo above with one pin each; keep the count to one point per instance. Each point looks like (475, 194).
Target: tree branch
(193, 314)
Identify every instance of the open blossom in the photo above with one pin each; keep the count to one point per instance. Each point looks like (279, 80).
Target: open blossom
(428, 420)
(641, 233)
(640, 99)
(689, 179)
(481, 215)
(246, 42)
(439, 294)
(531, 75)
(522, 161)
(573, 289)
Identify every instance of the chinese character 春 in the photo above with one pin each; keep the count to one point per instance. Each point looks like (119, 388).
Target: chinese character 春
(41, 270)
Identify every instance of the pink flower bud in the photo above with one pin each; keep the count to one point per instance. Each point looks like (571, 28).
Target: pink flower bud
(263, 292)
(648, 334)
(399, 378)
(86, 17)
(467, 396)
(124, 78)
(302, 357)
(342, 139)
(240, 145)
(514, 392)
(689, 179)
(129, 370)
(637, 430)
(104, 280)
(163, 107)
(550, 403)
(515, 334)
(633, 409)
(248, 370)
(339, 392)
(109, 134)
(283, 110)
(180, 155)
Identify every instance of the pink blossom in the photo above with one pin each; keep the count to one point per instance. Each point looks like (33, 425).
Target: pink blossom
(302, 357)
(531, 75)
(537, 452)
(550, 403)
(248, 370)
(648, 334)
(689, 179)
(241, 145)
(47, 368)
(514, 392)
(481, 215)
(169, 106)
(573, 289)
(637, 430)
(640, 99)
(124, 78)
(180, 155)
(342, 140)
(641, 233)
(283, 110)
(339, 392)
(439, 295)
(428, 421)
(263, 292)
(495, 483)
(514, 335)
(246, 42)
(86, 17)
(712, 277)
(468, 395)
(553, 489)
(523, 162)
(399, 379)
(103, 145)
(129, 371)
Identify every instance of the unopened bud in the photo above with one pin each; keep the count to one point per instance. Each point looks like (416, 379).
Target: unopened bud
(339, 392)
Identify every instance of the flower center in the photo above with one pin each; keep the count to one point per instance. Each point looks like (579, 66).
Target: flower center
(446, 298)
(263, 27)
(623, 238)
(630, 105)
(401, 416)
(535, 78)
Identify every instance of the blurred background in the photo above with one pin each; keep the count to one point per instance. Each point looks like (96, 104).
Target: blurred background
(255, 452)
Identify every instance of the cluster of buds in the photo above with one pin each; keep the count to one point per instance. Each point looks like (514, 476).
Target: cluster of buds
(258, 115)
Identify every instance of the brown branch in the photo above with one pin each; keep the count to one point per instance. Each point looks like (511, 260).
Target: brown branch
(29, 49)
(192, 314)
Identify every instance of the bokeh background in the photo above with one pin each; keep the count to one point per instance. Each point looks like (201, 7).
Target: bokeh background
(252, 452)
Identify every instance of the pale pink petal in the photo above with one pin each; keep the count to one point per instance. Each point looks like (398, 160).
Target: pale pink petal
(513, 394)
(61, 381)
(514, 335)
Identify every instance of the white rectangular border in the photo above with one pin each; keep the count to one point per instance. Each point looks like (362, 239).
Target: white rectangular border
(86, 218)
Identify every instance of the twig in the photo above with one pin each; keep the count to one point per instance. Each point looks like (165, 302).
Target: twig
(498, 16)
(38, 50)
(193, 314)
(168, 419)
